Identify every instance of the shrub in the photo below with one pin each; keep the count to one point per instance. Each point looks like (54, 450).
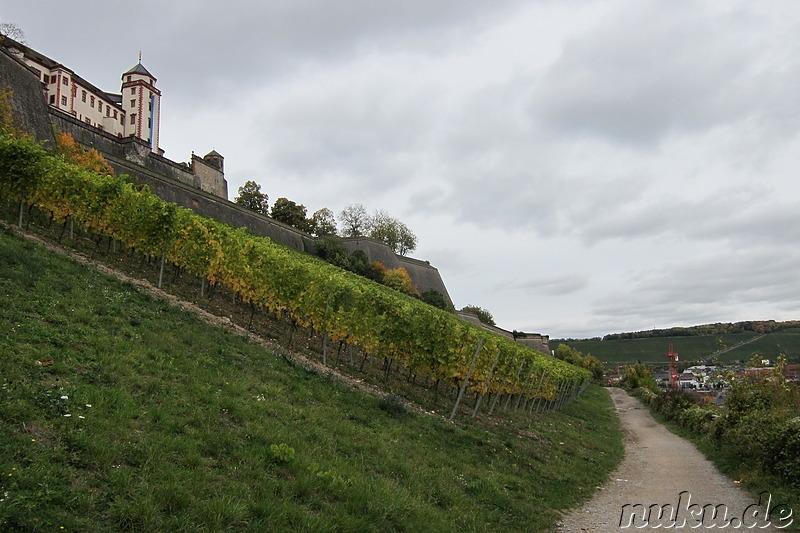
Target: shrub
(639, 376)
(761, 424)
(375, 271)
(281, 453)
(436, 299)
(393, 404)
(359, 262)
(331, 249)
(399, 280)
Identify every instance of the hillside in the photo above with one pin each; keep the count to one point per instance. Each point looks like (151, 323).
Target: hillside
(735, 346)
(121, 412)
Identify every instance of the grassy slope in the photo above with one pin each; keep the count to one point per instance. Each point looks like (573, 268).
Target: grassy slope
(171, 423)
(690, 348)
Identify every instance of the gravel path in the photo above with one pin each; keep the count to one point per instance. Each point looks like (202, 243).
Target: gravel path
(658, 467)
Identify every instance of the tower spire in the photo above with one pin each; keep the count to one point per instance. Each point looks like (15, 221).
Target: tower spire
(140, 56)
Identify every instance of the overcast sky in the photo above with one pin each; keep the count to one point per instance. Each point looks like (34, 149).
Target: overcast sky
(575, 167)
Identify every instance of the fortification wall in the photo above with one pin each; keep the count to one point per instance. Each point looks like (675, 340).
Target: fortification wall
(535, 341)
(27, 102)
(424, 276)
(212, 206)
(138, 152)
(85, 134)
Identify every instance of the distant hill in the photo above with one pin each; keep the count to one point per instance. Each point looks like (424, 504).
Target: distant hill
(727, 342)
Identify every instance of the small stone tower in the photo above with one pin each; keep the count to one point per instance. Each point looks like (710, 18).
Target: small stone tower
(215, 160)
(209, 173)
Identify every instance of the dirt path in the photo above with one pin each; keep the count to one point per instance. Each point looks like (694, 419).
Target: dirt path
(658, 467)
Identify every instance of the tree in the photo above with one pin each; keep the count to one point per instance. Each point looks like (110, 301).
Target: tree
(436, 299)
(573, 356)
(354, 220)
(289, 212)
(251, 197)
(482, 314)
(375, 271)
(8, 123)
(390, 231)
(359, 262)
(9, 29)
(399, 280)
(73, 153)
(330, 249)
(639, 376)
(323, 223)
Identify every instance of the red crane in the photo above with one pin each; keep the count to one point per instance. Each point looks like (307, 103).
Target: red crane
(673, 369)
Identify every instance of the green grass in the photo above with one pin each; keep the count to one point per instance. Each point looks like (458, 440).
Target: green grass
(699, 348)
(119, 412)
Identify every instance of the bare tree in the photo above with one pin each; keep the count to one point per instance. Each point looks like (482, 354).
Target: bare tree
(11, 30)
(353, 219)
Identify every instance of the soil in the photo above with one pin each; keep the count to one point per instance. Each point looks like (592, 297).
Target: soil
(661, 468)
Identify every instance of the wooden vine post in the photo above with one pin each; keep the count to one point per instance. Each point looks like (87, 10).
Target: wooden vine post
(163, 260)
(466, 379)
(325, 334)
(538, 390)
(516, 380)
(522, 391)
(486, 385)
(505, 382)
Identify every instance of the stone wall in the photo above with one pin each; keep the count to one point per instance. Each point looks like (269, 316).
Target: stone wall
(138, 152)
(212, 206)
(424, 276)
(536, 341)
(27, 102)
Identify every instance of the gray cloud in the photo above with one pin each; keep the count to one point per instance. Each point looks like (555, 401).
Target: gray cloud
(559, 285)
(653, 69)
(633, 163)
(695, 289)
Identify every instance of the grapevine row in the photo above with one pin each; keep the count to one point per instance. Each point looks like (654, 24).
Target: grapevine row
(429, 341)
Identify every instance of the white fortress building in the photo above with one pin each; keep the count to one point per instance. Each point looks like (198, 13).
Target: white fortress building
(135, 112)
(132, 114)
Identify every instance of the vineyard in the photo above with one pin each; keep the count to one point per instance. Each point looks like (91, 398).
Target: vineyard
(485, 370)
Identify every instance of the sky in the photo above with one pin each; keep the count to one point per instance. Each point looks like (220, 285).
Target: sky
(576, 168)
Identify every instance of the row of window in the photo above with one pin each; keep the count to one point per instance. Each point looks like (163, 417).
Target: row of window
(51, 79)
(54, 79)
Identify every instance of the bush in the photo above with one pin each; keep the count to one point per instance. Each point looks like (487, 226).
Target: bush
(281, 453)
(331, 249)
(639, 376)
(399, 280)
(375, 271)
(436, 299)
(761, 424)
(359, 262)
(783, 450)
(393, 404)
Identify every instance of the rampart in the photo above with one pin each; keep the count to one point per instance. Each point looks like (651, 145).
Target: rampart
(424, 276)
(535, 341)
(27, 103)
